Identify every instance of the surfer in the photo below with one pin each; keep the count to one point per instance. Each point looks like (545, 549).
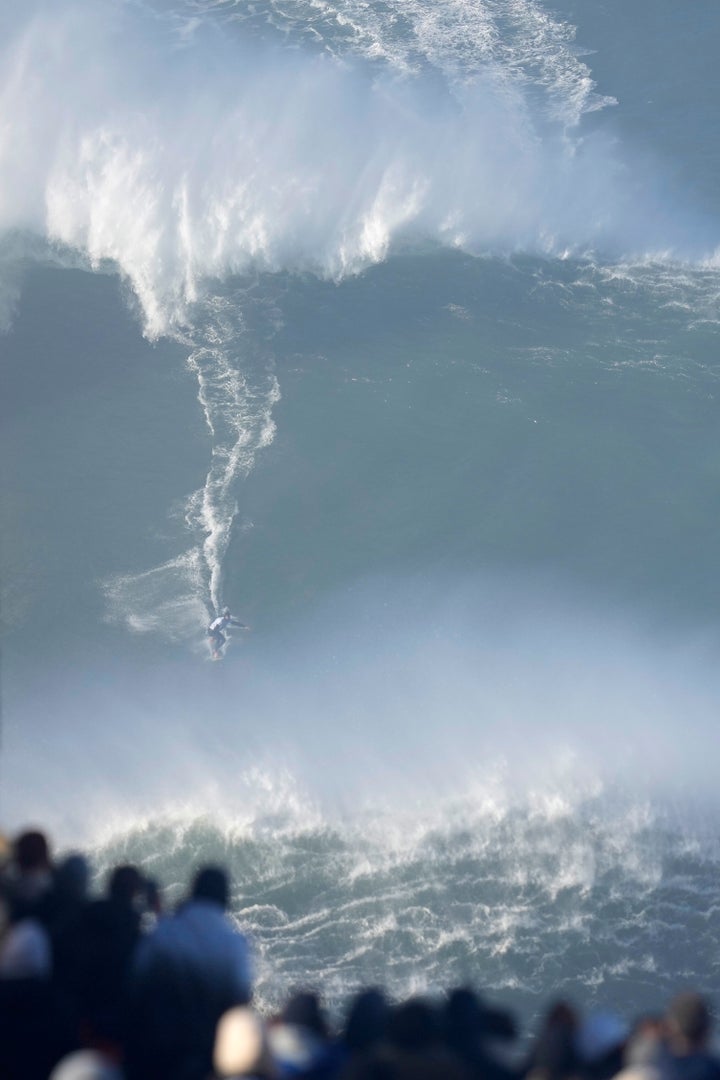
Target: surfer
(216, 630)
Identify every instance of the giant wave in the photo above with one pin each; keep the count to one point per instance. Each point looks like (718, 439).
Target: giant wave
(420, 774)
(184, 145)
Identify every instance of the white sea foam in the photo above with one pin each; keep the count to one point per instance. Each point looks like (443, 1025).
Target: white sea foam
(183, 164)
(237, 403)
(237, 390)
(518, 39)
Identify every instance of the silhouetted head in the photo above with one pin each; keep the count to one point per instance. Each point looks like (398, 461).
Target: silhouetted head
(31, 852)
(211, 883)
(647, 1044)
(467, 1017)
(555, 1050)
(125, 884)
(561, 1014)
(305, 1010)
(689, 1023)
(462, 1017)
(413, 1026)
(72, 877)
(367, 1019)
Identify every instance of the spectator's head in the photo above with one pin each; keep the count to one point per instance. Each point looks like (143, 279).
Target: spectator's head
(688, 1022)
(72, 877)
(125, 885)
(555, 1053)
(31, 870)
(211, 883)
(367, 1019)
(241, 1046)
(31, 852)
(85, 1065)
(561, 1015)
(647, 1043)
(413, 1026)
(304, 1010)
(466, 1018)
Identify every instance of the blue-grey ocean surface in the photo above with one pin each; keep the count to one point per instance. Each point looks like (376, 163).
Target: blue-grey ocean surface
(394, 326)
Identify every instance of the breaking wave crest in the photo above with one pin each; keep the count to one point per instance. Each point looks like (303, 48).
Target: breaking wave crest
(184, 152)
(585, 891)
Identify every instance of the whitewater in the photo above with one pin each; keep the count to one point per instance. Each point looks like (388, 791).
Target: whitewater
(395, 327)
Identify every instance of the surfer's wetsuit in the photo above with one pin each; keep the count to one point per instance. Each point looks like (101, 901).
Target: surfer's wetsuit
(216, 627)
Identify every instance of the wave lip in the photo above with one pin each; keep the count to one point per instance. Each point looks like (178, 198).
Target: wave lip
(183, 164)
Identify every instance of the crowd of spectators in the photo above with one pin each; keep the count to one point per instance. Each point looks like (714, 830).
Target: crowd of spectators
(116, 988)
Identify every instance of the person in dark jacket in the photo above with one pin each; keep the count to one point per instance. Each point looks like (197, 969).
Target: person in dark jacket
(185, 975)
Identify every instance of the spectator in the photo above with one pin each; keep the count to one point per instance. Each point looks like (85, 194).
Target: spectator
(554, 1055)
(105, 939)
(413, 1049)
(469, 1026)
(72, 879)
(34, 1033)
(86, 1065)
(300, 1039)
(241, 1047)
(366, 1021)
(25, 951)
(689, 1025)
(647, 1056)
(29, 875)
(186, 974)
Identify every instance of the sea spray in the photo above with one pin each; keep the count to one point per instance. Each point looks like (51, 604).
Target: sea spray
(582, 893)
(181, 164)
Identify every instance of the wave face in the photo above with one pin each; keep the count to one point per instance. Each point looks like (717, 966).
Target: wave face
(426, 390)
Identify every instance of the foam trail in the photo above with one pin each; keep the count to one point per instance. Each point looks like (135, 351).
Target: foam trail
(237, 389)
(238, 410)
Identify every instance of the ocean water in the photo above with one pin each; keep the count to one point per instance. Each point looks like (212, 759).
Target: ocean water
(395, 327)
